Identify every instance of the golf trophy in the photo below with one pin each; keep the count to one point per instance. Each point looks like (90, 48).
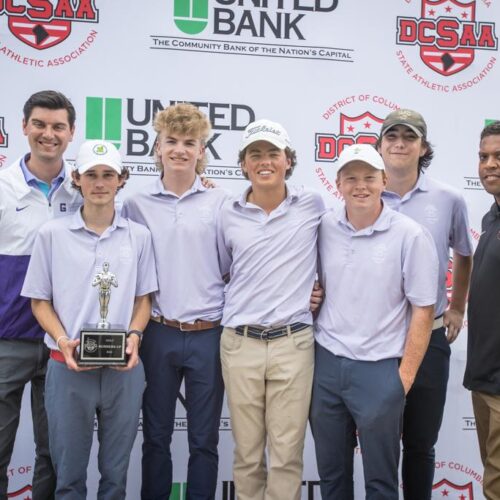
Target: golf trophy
(103, 344)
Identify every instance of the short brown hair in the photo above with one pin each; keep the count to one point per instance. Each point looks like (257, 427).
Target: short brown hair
(184, 119)
(125, 174)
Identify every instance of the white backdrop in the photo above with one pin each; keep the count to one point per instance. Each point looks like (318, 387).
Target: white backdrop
(329, 70)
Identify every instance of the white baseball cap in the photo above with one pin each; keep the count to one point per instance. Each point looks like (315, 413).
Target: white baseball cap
(360, 152)
(265, 130)
(93, 153)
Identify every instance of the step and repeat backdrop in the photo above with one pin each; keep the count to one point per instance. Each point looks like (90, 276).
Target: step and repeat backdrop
(329, 70)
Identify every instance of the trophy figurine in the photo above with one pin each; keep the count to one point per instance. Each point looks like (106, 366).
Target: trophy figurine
(104, 280)
(103, 344)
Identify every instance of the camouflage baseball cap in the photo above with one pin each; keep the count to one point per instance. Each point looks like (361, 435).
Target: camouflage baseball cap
(407, 117)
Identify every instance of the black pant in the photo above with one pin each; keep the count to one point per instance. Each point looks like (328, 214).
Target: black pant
(423, 415)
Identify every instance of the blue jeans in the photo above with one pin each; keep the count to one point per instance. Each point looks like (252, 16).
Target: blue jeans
(171, 356)
(423, 415)
(363, 395)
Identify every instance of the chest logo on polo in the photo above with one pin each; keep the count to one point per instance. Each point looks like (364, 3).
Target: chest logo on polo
(431, 214)
(379, 253)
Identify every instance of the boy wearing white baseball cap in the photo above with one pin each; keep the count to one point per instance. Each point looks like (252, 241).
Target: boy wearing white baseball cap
(67, 255)
(379, 272)
(267, 348)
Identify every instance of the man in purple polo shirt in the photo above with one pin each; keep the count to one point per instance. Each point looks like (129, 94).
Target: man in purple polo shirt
(441, 209)
(181, 342)
(267, 348)
(379, 272)
(60, 284)
(36, 188)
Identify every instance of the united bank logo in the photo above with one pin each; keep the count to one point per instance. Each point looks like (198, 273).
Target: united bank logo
(449, 38)
(42, 24)
(191, 16)
(254, 27)
(128, 124)
(104, 119)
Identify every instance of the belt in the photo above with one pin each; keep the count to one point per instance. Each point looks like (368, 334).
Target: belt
(438, 322)
(261, 333)
(57, 356)
(197, 326)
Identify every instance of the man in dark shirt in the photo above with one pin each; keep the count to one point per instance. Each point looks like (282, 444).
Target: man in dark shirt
(482, 372)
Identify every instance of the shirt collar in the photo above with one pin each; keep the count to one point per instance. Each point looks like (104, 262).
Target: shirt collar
(421, 185)
(292, 195)
(157, 188)
(31, 178)
(382, 223)
(77, 221)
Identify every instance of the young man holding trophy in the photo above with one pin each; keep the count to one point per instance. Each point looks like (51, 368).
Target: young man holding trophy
(89, 280)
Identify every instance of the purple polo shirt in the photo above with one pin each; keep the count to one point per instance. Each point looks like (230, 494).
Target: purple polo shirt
(67, 256)
(273, 259)
(442, 210)
(371, 278)
(188, 261)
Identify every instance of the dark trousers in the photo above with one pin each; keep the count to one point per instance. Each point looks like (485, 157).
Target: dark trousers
(363, 395)
(171, 356)
(22, 362)
(423, 415)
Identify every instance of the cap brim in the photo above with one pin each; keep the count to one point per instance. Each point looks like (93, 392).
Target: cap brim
(256, 138)
(411, 127)
(87, 166)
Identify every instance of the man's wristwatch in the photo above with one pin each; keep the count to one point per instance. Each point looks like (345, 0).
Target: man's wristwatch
(135, 332)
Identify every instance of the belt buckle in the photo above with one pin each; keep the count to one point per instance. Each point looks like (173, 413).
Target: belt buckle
(181, 327)
(263, 332)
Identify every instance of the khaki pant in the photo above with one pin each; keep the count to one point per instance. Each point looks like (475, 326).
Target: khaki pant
(268, 386)
(487, 413)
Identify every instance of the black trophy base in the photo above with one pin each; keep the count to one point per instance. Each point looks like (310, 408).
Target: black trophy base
(102, 346)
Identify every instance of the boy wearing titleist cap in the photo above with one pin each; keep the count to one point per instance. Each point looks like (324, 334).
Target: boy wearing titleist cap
(267, 343)
(379, 272)
(181, 342)
(35, 189)
(441, 209)
(67, 255)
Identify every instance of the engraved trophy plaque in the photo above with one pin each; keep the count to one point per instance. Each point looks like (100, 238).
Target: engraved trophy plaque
(103, 344)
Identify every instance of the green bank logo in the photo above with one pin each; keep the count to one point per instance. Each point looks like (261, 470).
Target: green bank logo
(104, 119)
(178, 491)
(191, 16)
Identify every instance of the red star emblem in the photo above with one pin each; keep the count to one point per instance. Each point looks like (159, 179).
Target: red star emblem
(464, 15)
(367, 124)
(445, 493)
(432, 12)
(350, 128)
(448, 8)
(462, 497)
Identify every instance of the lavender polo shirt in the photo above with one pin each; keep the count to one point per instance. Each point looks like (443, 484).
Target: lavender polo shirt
(188, 263)
(442, 210)
(371, 278)
(273, 259)
(67, 256)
